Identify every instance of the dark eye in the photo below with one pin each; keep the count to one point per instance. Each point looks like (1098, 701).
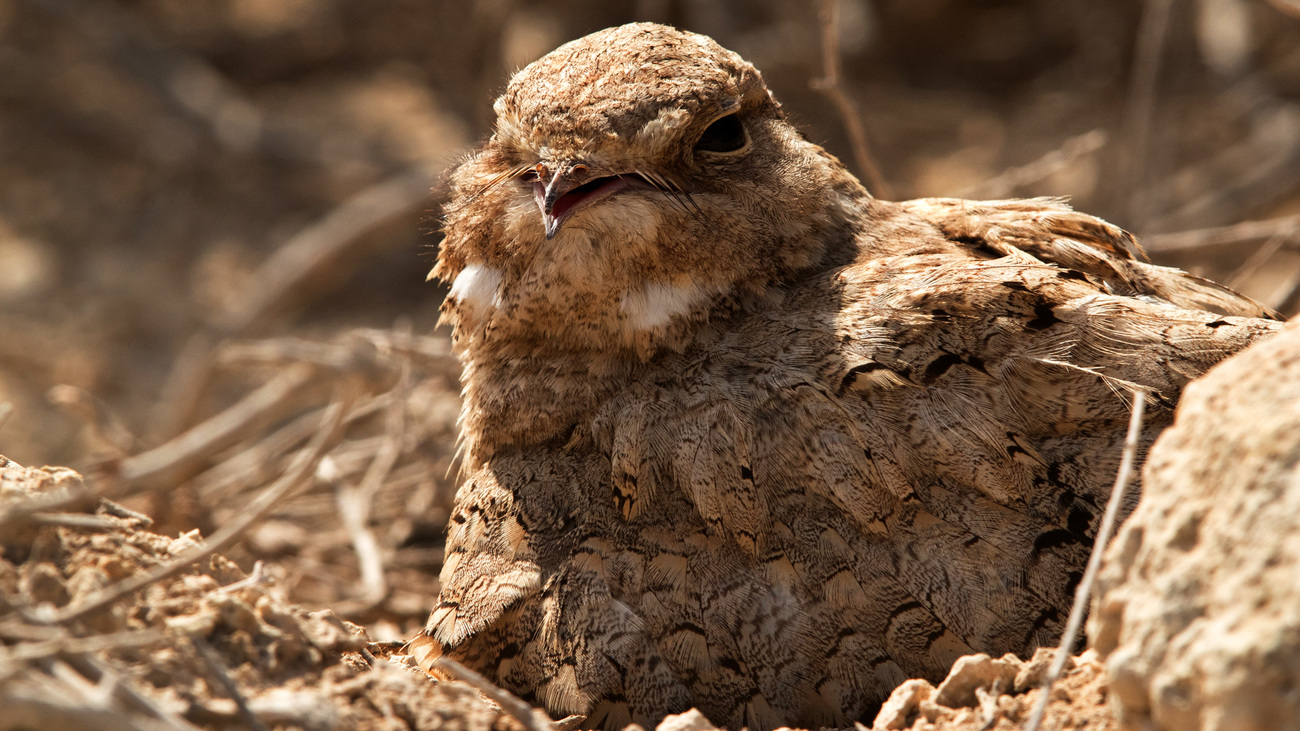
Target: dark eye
(726, 134)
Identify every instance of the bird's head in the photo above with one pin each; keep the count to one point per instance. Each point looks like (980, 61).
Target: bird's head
(636, 179)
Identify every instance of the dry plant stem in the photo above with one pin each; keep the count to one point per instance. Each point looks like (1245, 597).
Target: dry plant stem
(181, 457)
(1287, 228)
(107, 431)
(301, 469)
(531, 718)
(86, 672)
(1286, 298)
(28, 651)
(1104, 532)
(253, 466)
(75, 520)
(216, 672)
(50, 714)
(123, 690)
(6, 410)
(184, 390)
(1142, 103)
(44, 503)
(1256, 260)
(829, 85)
(318, 251)
(1009, 180)
(356, 501)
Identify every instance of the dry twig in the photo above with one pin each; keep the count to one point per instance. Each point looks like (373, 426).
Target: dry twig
(49, 647)
(107, 432)
(1286, 227)
(317, 251)
(45, 502)
(302, 468)
(1084, 590)
(181, 457)
(216, 671)
(1141, 104)
(1009, 180)
(829, 84)
(531, 718)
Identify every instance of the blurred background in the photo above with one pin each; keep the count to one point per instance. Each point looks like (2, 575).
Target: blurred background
(183, 177)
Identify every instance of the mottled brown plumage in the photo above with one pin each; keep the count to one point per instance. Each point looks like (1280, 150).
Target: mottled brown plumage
(740, 436)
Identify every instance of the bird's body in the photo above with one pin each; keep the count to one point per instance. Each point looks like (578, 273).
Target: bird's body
(740, 436)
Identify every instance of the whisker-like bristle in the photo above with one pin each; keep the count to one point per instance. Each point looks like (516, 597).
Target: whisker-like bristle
(694, 206)
(670, 189)
(501, 178)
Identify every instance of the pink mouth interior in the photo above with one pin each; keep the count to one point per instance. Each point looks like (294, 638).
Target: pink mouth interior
(598, 188)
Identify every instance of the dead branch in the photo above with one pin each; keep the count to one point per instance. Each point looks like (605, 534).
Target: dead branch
(1239, 178)
(121, 689)
(356, 502)
(302, 468)
(829, 84)
(107, 432)
(1257, 260)
(46, 713)
(181, 457)
(1084, 590)
(28, 651)
(216, 671)
(531, 718)
(1141, 104)
(1286, 227)
(184, 390)
(46, 502)
(1011, 179)
(1286, 298)
(75, 520)
(316, 252)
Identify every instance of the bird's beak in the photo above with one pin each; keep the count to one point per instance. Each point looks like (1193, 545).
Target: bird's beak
(548, 193)
(574, 187)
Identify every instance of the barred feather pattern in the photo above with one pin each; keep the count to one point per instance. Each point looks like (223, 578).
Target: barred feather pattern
(833, 469)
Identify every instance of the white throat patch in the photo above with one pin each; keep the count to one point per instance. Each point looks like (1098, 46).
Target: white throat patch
(654, 305)
(478, 286)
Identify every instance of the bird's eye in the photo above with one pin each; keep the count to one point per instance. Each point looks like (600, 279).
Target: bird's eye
(726, 134)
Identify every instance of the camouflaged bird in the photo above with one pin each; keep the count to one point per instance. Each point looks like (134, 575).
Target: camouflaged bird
(740, 436)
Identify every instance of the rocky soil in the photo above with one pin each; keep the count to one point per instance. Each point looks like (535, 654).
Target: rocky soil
(199, 643)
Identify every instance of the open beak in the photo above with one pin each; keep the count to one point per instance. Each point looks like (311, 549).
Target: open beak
(572, 189)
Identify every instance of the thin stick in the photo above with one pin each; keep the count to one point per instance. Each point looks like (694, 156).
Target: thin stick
(107, 432)
(1286, 227)
(318, 250)
(829, 84)
(6, 410)
(217, 672)
(531, 718)
(1142, 103)
(1255, 261)
(1287, 296)
(27, 651)
(123, 689)
(68, 498)
(1084, 590)
(1012, 178)
(183, 456)
(302, 467)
